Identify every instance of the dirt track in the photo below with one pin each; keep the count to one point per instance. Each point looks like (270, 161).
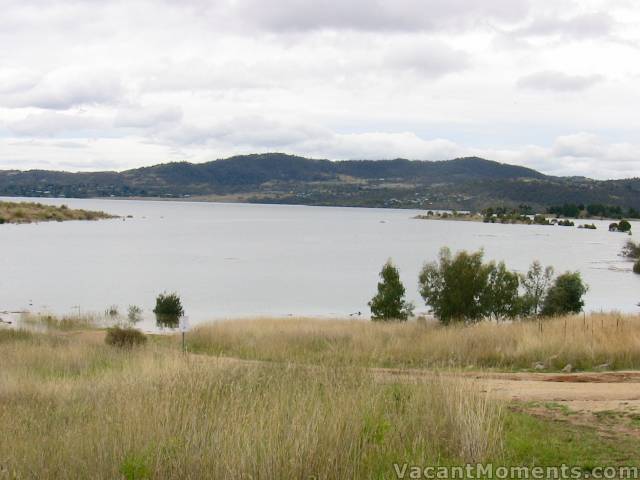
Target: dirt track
(588, 392)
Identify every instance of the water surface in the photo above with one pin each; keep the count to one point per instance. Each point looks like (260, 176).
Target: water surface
(233, 260)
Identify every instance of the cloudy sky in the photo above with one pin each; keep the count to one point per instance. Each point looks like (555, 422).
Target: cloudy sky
(102, 84)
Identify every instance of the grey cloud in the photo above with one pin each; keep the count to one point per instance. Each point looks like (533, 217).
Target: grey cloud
(428, 59)
(377, 15)
(549, 80)
(591, 25)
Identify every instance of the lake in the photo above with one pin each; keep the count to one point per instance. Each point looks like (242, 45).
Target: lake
(238, 260)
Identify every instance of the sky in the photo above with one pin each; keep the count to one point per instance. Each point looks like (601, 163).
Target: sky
(104, 84)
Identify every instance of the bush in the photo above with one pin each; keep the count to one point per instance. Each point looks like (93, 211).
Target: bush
(565, 295)
(631, 250)
(621, 226)
(463, 288)
(134, 313)
(168, 304)
(389, 303)
(124, 337)
(636, 267)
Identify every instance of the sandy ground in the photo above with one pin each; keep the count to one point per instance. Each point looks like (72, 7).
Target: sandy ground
(589, 391)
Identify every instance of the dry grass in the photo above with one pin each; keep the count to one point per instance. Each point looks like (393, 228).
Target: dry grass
(72, 409)
(28, 212)
(45, 322)
(584, 342)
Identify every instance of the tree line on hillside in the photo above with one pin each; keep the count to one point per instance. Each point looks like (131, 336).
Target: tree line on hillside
(464, 288)
(573, 210)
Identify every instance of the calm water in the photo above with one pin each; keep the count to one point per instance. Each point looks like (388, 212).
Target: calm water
(232, 260)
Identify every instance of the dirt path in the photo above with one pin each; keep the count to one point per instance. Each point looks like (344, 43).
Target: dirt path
(593, 392)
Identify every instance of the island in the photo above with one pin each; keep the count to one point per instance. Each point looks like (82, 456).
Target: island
(29, 212)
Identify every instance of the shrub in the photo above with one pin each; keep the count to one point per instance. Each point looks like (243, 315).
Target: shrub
(464, 288)
(168, 304)
(124, 337)
(636, 267)
(631, 250)
(621, 226)
(134, 313)
(111, 311)
(389, 303)
(565, 295)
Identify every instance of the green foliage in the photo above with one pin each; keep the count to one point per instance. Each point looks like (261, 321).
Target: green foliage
(565, 295)
(622, 226)
(456, 287)
(168, 304)
(124, 337)
(500, 297)
(389, 302)
(541, 220)
(135, 467)
(535, 283)
(636, 267)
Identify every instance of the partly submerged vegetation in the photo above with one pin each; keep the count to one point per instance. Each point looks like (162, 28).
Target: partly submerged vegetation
(29, 212)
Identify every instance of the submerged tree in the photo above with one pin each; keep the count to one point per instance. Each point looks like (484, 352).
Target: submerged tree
(389, 302)
(565, 295)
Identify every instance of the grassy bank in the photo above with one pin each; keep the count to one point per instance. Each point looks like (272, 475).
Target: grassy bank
(584, 342)
(73, 408)
(29, 212)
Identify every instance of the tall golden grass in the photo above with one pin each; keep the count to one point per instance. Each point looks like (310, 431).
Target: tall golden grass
(582, 341)
(75, 408)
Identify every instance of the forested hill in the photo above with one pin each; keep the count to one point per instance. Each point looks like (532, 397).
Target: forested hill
(463, 183)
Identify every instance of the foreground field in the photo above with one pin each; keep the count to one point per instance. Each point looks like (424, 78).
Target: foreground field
(607, 341)
(28, 212)
(73, 408)
(305, 398)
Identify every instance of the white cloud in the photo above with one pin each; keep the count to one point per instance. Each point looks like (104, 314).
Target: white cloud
(140, 82)
(65, 88)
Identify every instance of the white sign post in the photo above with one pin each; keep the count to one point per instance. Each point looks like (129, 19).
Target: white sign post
(183, 325)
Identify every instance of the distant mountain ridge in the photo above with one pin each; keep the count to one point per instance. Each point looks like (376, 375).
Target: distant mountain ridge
(469, 183)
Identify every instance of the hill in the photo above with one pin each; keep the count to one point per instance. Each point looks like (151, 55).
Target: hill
(462, 183)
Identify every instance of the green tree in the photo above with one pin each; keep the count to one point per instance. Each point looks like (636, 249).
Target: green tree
(389, 302)
(455, 287)
(168, 309)
(500, 299)
(565, 295)
(535, 283)
(624, 226)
